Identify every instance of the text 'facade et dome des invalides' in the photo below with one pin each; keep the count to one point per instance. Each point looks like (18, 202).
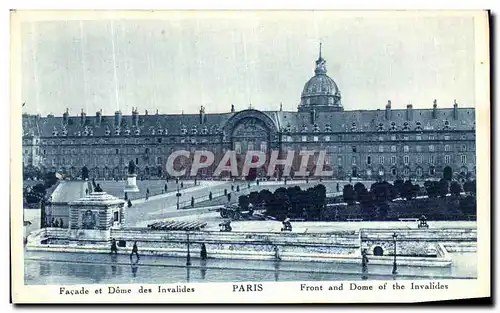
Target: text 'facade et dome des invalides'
(391, 143)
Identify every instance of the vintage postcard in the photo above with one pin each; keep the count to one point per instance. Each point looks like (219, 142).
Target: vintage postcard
(250, 156)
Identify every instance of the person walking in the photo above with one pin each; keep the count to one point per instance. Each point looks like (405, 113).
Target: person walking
(114, 248)
(135, 251)
(203, 252)
(364, 259)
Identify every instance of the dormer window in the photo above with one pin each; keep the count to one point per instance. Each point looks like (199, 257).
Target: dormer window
(354, 127)
(446, 124)
(393, 126)
(194, 131)
(204, 131)
(107, 132)
(406, 126)
(64, 132)
(166, 131)
(304, 129)
(137, 132)
(380, 127)
(127, 132)
(153, 132)
(328, 128)
(316, 128)
(78, 133)
(418, 126)
(159, 131)
(85, 132)
(54, 133)
(183, 130)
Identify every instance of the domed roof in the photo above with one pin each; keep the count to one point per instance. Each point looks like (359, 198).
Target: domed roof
(320, 92)
(320, 84)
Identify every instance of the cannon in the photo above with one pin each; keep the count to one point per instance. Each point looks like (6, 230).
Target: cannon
(234, 212)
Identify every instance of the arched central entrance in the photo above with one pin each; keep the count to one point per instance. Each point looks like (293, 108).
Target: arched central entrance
(250, 130)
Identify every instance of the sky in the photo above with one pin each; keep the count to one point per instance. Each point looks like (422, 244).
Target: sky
(181, 61)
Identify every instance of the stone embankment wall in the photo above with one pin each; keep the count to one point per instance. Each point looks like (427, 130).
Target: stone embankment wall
(427, 246)
(415, 242)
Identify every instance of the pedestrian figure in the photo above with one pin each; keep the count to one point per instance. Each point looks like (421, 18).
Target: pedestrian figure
(135, 250)
(307, 180)
(203, 252)
(338, 188)
(86, 191)
(238, 188)
(114, 248)
(232, 187)
(257, 182)
(129, 203)
(225, 192)
(182, 185)
(126, 196)
(192, 201)
(61, 223)
(56, 223)
(52, 222)
(364, 259)
(195, 181)
(285, 180)
(228, 197)
(166, 188)
(277, 256)
(210, 196)
(249, 185)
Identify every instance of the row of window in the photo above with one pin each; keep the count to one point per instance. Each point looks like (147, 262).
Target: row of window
(354, 160)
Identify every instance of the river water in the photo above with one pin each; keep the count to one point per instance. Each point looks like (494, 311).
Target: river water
(47, 268)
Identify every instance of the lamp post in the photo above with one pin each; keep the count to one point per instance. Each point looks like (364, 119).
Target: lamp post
(188, 257)
(178, 195)
(394, 265)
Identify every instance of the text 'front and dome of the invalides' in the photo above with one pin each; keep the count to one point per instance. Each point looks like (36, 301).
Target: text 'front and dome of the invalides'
(388, 142)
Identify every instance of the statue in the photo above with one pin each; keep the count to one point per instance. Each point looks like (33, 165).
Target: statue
(131, 167)
(131, 178)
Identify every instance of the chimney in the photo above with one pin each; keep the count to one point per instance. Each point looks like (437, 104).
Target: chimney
(388, 110)
(313, 116)
(455, 109)
(409, 112)
(202, 115)
(98, 117)
(66, 117)
(434, 109)
(118, 118)
(135, 117)
(83, 117)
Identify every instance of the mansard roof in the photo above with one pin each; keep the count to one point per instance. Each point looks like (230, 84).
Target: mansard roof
(172, 124)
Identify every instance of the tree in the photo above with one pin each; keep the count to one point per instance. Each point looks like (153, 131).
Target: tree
(468, 205)
(447, 173)
(432, 188)
(399, 185)
(455, 189)
(360, 190)
(85, 173)
(443, 188)
(470, 187)
(243, 201)
(368, 208)
(349, 194)
(409, 191)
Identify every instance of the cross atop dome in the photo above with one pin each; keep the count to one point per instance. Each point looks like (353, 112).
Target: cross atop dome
(320, 63)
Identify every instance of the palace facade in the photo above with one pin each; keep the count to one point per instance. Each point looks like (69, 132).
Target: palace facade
(387, 142)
